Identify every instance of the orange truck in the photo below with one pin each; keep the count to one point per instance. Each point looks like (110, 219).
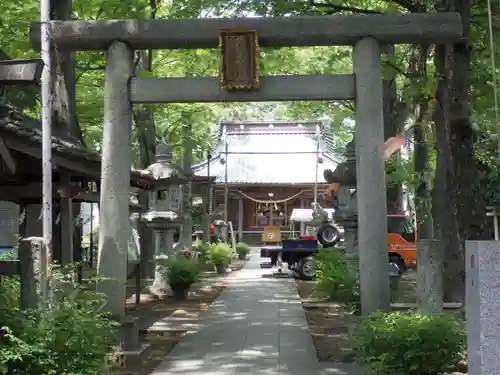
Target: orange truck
(401, 235)
(402, 241)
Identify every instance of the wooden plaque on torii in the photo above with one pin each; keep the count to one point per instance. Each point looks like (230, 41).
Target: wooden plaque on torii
(239, 59)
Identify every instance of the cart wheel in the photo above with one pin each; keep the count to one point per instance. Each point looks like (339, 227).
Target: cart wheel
(328, 235)
(307, 268)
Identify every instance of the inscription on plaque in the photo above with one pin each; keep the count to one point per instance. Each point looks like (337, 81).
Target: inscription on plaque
(239, 59)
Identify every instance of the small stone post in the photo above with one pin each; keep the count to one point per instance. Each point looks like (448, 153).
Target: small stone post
(30, 267)
(370, 176)
(115, 180)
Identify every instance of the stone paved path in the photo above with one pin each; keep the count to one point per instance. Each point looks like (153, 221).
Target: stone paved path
(256, 327)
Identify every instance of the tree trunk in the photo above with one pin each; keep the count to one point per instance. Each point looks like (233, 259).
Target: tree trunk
(459, 213)
(187, 161)
(63, 79)
(420, 103)
(146, 129)
(444, 203)
(429, 251)
(392, 124)
(64, 120)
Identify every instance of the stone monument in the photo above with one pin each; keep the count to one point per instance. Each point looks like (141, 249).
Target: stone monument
(482, 306)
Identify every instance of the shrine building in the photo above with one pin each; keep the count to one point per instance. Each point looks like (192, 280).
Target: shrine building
(266, 169)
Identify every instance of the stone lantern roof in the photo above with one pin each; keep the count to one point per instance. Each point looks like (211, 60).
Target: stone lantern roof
(163, 169)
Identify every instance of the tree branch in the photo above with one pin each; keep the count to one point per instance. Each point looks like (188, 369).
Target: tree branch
(88, 68)
(409, 5)
(334, 8)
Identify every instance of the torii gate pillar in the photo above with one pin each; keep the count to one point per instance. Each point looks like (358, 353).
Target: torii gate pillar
(370, 176)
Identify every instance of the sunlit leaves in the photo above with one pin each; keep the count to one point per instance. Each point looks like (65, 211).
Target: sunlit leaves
(203, 118)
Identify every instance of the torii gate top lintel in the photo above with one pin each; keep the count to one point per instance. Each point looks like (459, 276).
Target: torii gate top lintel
(410, 28)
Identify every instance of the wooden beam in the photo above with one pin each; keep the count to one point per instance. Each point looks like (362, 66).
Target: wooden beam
(21, 192)
(7, 157)
(33, 192)
(272, 88)
(60, 161)
(89, 169)
(16, 72)
(411, 28)
(67, 223)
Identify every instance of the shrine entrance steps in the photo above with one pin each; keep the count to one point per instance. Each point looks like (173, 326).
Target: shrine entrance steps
(256, 327)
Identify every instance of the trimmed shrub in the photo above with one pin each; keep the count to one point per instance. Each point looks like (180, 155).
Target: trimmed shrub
(181, 272)
(220, 254)
(403, 343)
(336, 278)
(242, 248)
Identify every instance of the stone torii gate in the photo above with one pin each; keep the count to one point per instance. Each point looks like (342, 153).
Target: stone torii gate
(239, 40)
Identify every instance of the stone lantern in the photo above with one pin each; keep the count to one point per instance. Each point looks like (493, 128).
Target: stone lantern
(164, 216)
(347, 213)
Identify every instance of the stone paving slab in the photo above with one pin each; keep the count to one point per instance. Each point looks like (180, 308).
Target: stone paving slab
(257, 326)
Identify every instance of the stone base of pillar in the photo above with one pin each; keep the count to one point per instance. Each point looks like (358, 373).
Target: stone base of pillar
(351, 242)
(128, 333)
(429, 277)
(160, 287)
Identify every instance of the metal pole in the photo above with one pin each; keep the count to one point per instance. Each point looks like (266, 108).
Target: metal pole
(495, 224)
(226, 192)
(91, 237)
(209, 186)
(208, 203)
(46, 38)
(317, 167)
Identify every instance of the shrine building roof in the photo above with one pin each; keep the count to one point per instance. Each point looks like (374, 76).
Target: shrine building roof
(23, 135)
(269, 152)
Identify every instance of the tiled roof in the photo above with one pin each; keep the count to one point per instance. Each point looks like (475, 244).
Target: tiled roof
(28, 129)
(254, 156)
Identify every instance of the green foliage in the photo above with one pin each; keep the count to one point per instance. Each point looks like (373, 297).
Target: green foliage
(68, 335)
(202, 118)
(220, 254)
(336, 278)
(487, 155)
(202, 247)
(242, 248)
(181, 272)
(400, 343)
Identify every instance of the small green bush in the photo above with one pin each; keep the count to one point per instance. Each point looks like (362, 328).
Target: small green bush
(181, 272)
(10, 290)
(220, 254)
(242, 248)
(402, 343)
(336, 279)
(70, 335)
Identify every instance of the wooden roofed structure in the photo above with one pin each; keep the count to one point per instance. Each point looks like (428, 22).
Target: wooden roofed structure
(76, 177)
